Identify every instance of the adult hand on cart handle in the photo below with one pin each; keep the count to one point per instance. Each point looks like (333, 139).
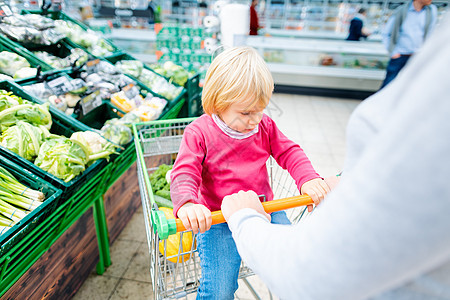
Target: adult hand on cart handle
(233, 203)
(195, 217)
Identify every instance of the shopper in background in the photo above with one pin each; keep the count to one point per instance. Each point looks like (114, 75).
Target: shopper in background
(383, 231)
(405, 33)
(226, 150)
(356, 30)
(254, 23)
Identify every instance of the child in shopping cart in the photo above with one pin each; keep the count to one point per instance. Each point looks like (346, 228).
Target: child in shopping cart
(226, 150)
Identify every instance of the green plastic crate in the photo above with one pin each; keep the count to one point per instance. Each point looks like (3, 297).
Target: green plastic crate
(52, 194)
(15, 262)
(6, 45)
(15, 248)
(62, 125)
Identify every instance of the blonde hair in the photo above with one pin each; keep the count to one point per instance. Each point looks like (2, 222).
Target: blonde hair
(237, 74)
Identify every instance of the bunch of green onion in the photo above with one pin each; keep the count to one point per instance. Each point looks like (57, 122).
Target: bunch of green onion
(16, 200)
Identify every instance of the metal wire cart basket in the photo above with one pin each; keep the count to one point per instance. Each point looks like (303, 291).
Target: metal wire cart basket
(174, 262)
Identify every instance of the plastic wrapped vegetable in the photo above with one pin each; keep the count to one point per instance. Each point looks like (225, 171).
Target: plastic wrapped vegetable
(170, 70)
(35, 114)
(10, 63)
(62, 157)
(25, 73)
(117, 133)
(97, 146)
(24, 139)
(159, 85)
(130, 67)
(30, 28)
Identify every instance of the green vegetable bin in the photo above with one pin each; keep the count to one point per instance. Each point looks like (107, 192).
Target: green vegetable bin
(61, 49)
(18, 245)
(127, 158)
(15, 233)
(125, 56)
(61, 126)
(6, 45)
(59, 15)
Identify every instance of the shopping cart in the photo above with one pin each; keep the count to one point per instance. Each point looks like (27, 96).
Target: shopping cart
(176, 274)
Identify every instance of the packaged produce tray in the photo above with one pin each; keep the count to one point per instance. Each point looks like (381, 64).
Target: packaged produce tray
(59, 15)
(6, 45)
(62, 125)
(124, 56)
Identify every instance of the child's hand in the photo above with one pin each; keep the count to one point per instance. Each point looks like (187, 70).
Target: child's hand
(316, 189)
(195, 217)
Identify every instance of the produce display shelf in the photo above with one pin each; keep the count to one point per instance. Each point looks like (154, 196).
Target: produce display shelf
(62, 125)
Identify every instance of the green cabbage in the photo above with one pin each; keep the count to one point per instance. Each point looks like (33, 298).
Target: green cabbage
(24, 139)
(62, 157)
(35, 114)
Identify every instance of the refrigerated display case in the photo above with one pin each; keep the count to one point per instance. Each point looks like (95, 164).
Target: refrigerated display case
(328, 64)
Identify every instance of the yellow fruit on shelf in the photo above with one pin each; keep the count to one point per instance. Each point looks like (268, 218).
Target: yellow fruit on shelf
(173, 249)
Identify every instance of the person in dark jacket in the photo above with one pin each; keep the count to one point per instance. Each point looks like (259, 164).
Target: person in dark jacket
(254, 24)
(356, 30)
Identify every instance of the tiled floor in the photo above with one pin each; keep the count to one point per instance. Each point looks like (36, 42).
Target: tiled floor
(316, 123)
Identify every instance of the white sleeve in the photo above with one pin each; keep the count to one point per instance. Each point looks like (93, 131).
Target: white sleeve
(387, 220)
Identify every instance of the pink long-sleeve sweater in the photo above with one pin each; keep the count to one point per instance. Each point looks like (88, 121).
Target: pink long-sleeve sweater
(211, 165)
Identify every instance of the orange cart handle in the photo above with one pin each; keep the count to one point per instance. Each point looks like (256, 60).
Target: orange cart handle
(269, 207)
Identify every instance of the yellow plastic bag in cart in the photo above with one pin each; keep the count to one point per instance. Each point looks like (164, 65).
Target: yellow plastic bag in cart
(173, 251)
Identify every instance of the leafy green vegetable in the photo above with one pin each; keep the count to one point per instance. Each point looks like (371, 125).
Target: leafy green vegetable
(158, 181)
(14, 109)
(8, 99)
(96, 145)
(24, 139)
(62, 157)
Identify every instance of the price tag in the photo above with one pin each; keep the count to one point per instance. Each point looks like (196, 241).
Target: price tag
(92, 66)
(5, 11)
(131, 91)
(60, 85)
(91, 102)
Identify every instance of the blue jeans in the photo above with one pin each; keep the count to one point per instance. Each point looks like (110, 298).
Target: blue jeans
(220, 260)
(394, 67)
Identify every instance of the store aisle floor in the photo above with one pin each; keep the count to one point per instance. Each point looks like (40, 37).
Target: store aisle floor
(316, 123)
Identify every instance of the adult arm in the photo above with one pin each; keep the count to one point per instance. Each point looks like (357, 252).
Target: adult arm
(387, 31)
(387, 220)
